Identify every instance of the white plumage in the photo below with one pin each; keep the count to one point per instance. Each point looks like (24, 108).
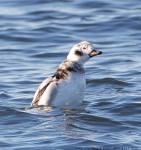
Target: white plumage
(67, 86)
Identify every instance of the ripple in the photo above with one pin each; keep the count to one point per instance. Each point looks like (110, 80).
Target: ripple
(48, 55)
(91, 4)
(16, 119)
(111, 81)
(36, 37)
(4, 95)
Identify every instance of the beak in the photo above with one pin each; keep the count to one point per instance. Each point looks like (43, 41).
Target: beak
(94, 53)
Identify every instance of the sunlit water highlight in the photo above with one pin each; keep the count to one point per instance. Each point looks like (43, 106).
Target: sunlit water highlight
(36, 37)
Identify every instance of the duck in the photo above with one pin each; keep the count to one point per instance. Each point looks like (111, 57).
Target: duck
(67, 86)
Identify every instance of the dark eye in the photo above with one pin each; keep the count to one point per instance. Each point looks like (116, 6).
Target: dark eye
(84, 48)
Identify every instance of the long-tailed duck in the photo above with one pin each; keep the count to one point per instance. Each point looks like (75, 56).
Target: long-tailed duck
(67, 85)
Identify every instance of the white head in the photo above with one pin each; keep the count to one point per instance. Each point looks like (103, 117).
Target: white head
(81, 52)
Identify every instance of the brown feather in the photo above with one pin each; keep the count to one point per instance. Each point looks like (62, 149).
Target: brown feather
(62, 73)
(40, 93)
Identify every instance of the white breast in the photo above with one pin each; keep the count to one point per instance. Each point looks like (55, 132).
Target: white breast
(68, 92)
(71, 91)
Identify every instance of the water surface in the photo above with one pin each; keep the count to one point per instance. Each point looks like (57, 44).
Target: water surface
(36, 37)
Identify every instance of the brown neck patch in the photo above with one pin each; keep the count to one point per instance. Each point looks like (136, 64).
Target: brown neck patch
(63, 73)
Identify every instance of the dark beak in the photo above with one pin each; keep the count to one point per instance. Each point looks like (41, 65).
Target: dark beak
(94, 53)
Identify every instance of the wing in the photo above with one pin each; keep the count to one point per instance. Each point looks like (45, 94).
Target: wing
(40, 91)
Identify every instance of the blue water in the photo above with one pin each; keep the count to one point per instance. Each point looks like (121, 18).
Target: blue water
(35, 37)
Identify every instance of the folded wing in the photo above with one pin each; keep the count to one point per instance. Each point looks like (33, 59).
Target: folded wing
(38, 94)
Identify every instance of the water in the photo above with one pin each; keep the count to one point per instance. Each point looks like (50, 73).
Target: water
(36, 37)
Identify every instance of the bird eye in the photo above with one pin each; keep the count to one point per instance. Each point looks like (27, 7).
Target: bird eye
(84, 48)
